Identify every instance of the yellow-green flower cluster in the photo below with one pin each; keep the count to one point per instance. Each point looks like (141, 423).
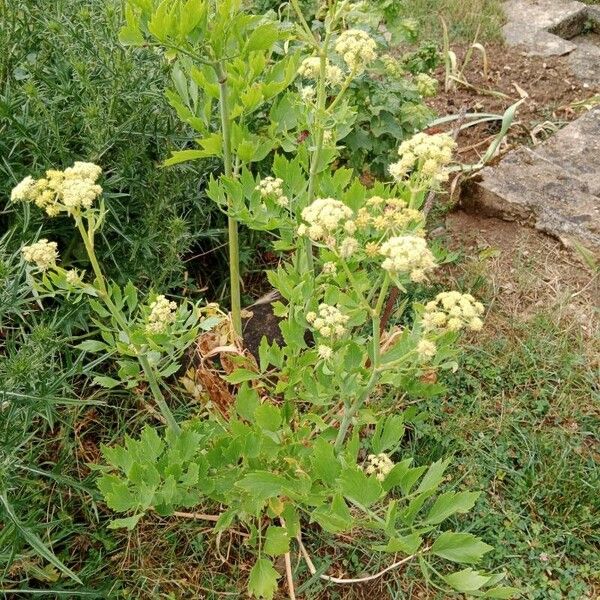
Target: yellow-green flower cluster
(307, 93)
(310, 68)
(325, 217)
(426, 349)
(329, 321)
(387, 215)
(453, 311)
(379, 465)
(273, 187)
(325, 352)
(427, 154)
(426, 85)
(73, 277)
(162, 313)
(408, 254)
(357, 48)
(70, 190)
(43, 254)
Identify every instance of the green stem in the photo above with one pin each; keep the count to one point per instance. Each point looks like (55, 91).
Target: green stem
(352, 409)
(158, 395)
(232, 226)
(88, 240)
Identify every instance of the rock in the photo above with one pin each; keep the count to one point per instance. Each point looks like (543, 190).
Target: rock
(554, 187)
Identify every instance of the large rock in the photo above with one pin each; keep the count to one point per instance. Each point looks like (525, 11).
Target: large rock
(555, 187)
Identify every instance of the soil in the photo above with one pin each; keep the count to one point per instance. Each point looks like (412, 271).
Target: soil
(526, 272)
(552, 95)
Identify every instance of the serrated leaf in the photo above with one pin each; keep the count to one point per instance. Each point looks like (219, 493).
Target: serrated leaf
(449, 503)
(128, 523)
(241, 375)
(466, 580)
(246, 402)
(335, 517)
(262, 484)
(324, 462)
(263, 579)
(460, 547)
(388, 433)
(277, 541)
(268, 417)
(105, 382)
(408, 544)
(434, 476)
(357, 486)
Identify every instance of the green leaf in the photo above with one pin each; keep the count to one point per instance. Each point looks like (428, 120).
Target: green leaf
(460, 547)
(334, 518)
(268, 417)
(408, 544)
(434, 476)
(502, 592)
(466, 580)
(263, 579)
(357, 486)
(185, 155)
(92, 346)
(246, 402)
(404, 476)
(262, 484)
(277, 541)
(324, 462)
(388, 433)
(241, 375)
(128, 523)
(105, 382)
(449, 503)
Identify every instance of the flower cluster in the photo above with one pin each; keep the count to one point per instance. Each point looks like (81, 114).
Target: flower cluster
(70, 190)
(357, 48)
(408, 254)
(387, 215)
(273, 187)
(330, 321)
(426, 350)
(310, 68)
(426, 86)
(162, 313)
(379, 465)
(43, 254)
(326, 216)
(453, 311)
(429, 154)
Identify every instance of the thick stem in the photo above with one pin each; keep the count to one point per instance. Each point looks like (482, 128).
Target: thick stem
(232, 226)
(158, 395)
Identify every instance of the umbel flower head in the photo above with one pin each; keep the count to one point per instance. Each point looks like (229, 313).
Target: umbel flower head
(357, 48)
(310, 68)
(162, 313)
(428, 155)
(42, 253)
(408, 254)
(325, 217)
(379, 465)
(70, 190)
(330, 322)
(453, 311)
(273, 187)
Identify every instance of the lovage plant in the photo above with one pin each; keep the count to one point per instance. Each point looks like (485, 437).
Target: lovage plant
(147, 339)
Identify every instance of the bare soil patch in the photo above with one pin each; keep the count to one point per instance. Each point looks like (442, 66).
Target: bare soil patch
(552, 94)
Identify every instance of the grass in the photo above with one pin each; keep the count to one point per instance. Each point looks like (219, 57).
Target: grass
(464, 19)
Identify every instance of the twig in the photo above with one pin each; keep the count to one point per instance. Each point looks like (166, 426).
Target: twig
(288, 570)
(196, 515)
(342, 580)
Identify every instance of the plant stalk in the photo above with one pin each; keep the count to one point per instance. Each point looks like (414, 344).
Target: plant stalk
(232, 226)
